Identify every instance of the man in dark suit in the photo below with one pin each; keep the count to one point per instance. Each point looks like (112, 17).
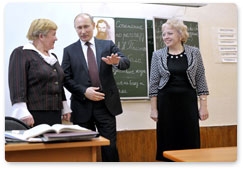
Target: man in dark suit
(94, 106)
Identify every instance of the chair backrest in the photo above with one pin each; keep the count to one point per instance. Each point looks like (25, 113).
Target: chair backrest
(14, 124)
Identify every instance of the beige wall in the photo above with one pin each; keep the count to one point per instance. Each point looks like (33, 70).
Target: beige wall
(221, 77)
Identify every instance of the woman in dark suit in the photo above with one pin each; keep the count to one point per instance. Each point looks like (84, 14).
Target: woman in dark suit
(177, 78)
(94, 104)
(36, 78)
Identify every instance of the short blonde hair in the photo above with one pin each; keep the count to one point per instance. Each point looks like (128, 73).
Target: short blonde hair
(178, 25)
(40, 26)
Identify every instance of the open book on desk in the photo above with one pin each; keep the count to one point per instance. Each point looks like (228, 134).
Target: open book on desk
(46, 133)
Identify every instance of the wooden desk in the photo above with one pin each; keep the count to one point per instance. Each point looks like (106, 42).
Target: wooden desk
(219, 154)
(54, 152)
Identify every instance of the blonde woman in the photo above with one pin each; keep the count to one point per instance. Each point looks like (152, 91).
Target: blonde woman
(177, 78)
(36, 78)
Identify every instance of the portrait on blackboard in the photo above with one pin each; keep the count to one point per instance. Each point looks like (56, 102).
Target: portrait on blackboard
(104, 28)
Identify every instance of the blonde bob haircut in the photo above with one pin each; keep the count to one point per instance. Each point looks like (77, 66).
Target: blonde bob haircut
(179, 26)
(40, 26)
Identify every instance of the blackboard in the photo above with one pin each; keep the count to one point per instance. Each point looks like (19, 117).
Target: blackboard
(131, 39)
(192, 28)
(137, 39)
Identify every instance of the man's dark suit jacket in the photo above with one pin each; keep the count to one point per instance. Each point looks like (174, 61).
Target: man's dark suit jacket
(77, 78)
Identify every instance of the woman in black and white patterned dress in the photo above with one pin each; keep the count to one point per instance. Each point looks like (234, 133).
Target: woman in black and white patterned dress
(177, 80)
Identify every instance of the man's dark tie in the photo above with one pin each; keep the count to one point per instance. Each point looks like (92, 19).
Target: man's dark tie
(93, 68)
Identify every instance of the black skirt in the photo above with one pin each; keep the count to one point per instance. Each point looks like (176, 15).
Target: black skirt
(47, 117)
(178, 115)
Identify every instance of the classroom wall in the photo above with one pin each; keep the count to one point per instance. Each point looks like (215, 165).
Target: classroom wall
(131, 144)
(221, 77)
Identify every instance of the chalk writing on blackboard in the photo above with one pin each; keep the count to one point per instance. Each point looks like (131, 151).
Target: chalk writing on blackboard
(130, 37)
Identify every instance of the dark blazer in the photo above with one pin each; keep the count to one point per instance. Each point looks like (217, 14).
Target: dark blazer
(35, 82)
(77, 78)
